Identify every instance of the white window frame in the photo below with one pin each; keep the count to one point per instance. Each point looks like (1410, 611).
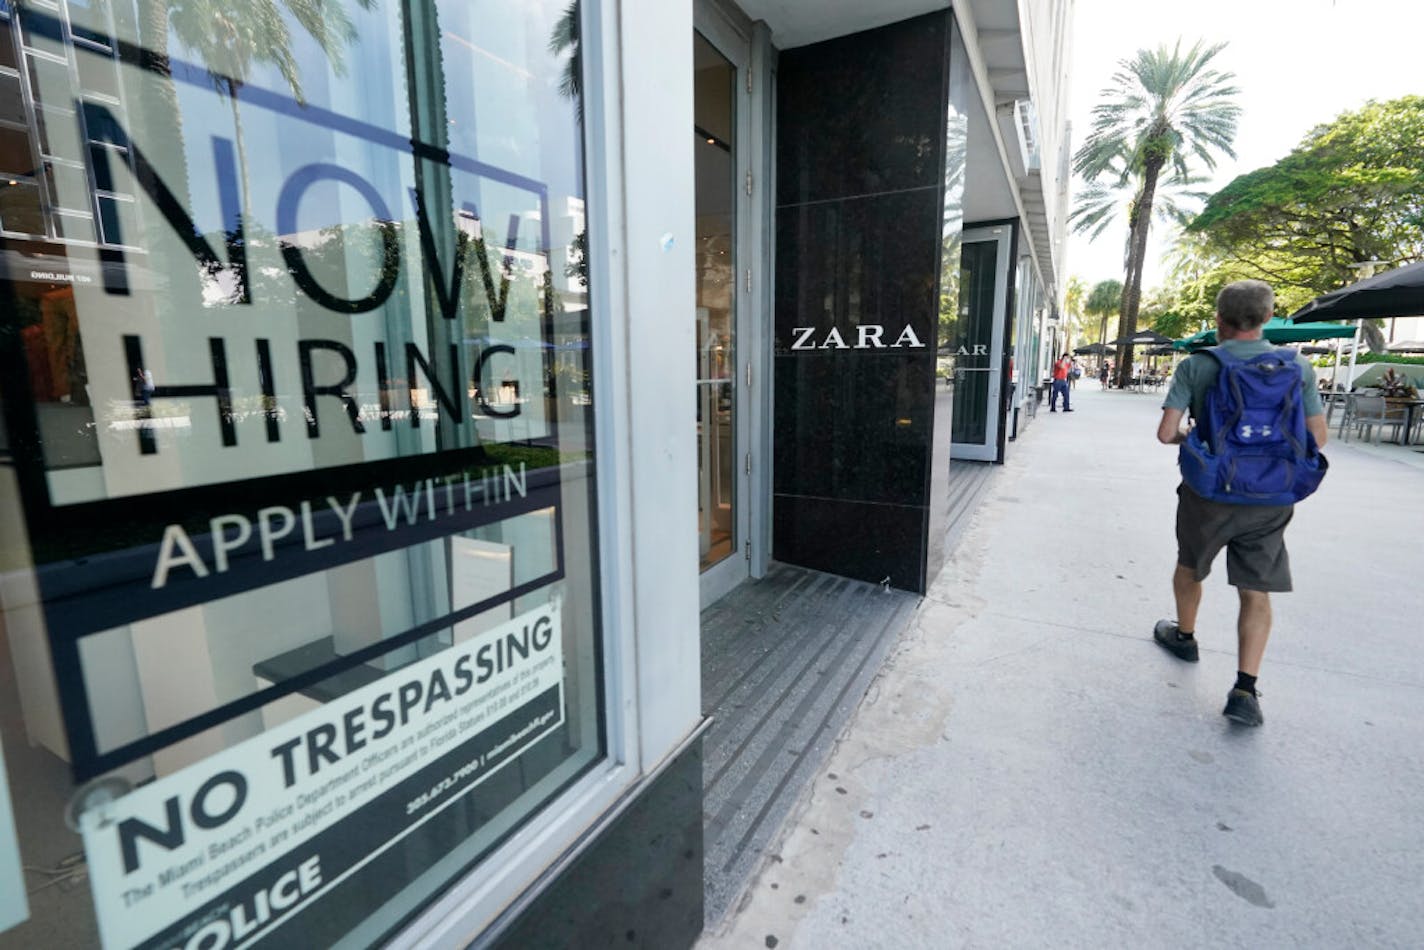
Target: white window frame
(645, 448)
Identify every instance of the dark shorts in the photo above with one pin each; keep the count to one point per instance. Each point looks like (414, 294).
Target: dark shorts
(1253, 535)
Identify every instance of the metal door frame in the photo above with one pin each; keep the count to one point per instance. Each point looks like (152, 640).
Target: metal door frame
(734, 41)
(989, 450)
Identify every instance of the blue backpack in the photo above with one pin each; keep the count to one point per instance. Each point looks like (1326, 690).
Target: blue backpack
(1253, 447)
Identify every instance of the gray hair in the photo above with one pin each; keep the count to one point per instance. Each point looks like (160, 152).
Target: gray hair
(1245, 304)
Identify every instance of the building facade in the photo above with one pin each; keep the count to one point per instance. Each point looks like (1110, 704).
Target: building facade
(387, 385)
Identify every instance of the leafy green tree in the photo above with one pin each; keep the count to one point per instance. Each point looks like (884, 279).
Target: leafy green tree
(1165, 112)
(1196, 276)
(1160, 312)
(1351, 191)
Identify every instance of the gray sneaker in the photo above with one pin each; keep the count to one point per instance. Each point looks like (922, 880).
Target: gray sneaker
(1183, 648)
(1243, 708)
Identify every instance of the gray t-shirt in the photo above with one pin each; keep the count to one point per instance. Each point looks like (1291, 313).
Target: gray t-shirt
(1197, 374)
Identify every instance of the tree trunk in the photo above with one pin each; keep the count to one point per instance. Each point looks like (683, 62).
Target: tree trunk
(233, 87)
(162, 119)
(1136, 254)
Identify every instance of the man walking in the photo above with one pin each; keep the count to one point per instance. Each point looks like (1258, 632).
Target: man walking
(1253, 535)
(1061, 369)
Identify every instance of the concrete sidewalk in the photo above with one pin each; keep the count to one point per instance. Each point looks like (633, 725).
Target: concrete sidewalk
(1031, 770)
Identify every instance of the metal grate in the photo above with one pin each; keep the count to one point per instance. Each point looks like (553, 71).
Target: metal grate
(785, 662)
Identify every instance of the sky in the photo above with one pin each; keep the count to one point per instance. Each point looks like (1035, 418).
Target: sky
(1298, 63)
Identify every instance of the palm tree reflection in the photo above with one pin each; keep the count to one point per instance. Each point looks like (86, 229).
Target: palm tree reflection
(230, 38)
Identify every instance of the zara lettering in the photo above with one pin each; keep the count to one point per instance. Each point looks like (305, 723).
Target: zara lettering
(868, 336)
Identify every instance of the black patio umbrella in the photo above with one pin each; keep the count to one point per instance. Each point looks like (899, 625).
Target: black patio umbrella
(1395, 293)
(1093, 349)
(1161, 351)
(1143, 338)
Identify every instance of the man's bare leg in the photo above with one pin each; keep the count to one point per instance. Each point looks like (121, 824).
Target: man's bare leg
(1188, 591)
(1253, 628)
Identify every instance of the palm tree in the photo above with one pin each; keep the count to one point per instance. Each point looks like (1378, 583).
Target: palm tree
(565, 40)
(230, 37)
(1103, 301)
(1073, 293)
(1164, 112)
(159, 94)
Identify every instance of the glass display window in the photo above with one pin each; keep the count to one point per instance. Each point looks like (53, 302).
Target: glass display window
(300, 593)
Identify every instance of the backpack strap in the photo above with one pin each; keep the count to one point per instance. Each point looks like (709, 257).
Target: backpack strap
(1288, 358)
(1223, 359)
(1222, 355)
(1226, 358)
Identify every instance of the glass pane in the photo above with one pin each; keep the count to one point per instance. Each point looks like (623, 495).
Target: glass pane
(117, 217)
(482, 564)
(68, 186)
(20, 209)
(49, 80)
(15, 155)
(7, 43)
(42, 31)
(972, 339)
(98, 75)
(89, 20)
(12, 106)
(74, 227)
(59, 134)
(961, 83)
(315, 438)
(715, 151)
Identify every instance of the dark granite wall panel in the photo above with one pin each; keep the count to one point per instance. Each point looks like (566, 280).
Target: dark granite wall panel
(861, 114)
(861, 421)
(638, 885)
(863, 540)
(867, 260)
(860, 151)
(863, 267)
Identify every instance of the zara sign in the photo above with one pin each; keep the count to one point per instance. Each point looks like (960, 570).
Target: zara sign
(868, 336)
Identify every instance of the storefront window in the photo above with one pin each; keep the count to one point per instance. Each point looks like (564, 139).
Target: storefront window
(297, 509)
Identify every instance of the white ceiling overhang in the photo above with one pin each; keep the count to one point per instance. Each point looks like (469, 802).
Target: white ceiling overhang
(999, 43)
(994, 34)
(800, 22)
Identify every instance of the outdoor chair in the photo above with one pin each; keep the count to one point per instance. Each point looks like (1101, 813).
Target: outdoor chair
(1371, 414)
(1345, 404)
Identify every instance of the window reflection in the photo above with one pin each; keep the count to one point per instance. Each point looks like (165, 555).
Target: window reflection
(301, 400)
(715, 161)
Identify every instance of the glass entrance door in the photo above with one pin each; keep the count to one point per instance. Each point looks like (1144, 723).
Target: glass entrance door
(977, 341)
(723, 462)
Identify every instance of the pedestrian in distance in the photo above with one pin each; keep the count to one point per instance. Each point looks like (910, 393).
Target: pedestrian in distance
(1074, 374)
(1103, 371)
(1061, 370)
(1252, 453)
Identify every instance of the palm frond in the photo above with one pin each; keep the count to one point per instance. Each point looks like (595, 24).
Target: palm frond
(1168, 109)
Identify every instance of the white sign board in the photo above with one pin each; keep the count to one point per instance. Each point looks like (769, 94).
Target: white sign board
(13, 907)
(224, 852)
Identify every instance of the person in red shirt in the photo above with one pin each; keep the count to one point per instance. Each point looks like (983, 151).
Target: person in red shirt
(1061, 369)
